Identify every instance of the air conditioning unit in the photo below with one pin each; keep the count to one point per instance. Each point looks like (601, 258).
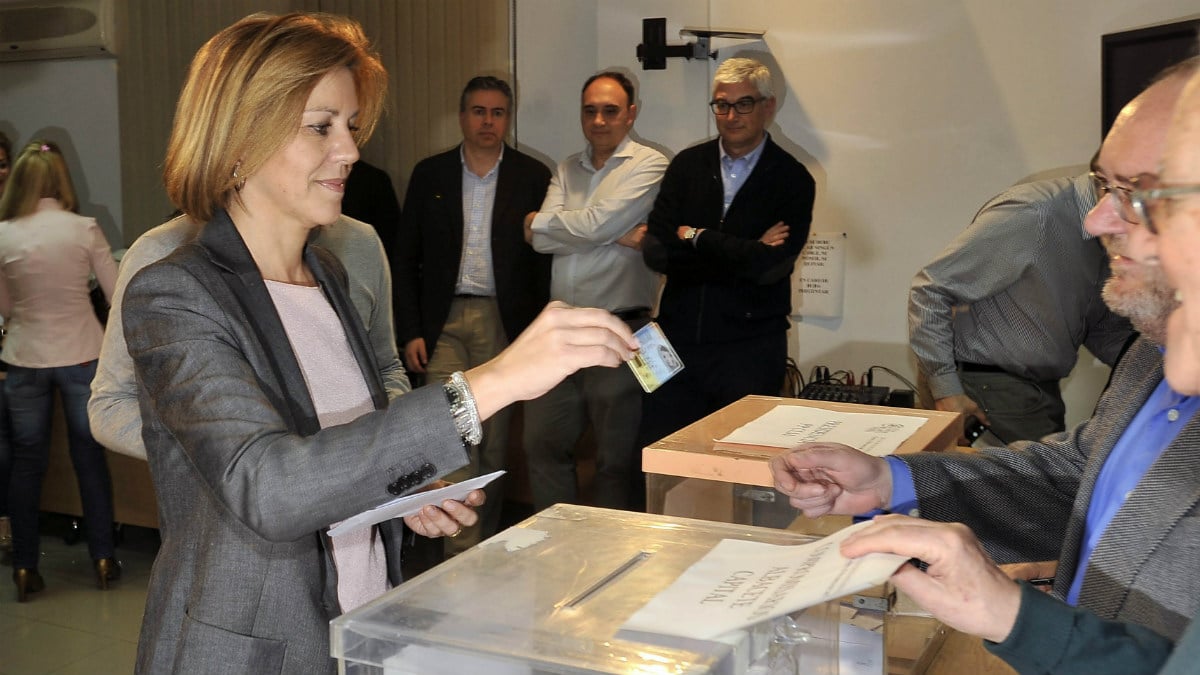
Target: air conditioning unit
(56, 29)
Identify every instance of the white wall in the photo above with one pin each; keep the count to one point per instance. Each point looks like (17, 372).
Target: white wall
(909, 113)
(72, 102)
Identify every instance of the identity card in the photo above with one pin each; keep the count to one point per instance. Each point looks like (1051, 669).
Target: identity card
(656, 362)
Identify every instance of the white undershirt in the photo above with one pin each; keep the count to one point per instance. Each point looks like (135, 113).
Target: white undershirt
(339, 394)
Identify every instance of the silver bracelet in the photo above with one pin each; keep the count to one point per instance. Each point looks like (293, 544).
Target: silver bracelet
(463, 409)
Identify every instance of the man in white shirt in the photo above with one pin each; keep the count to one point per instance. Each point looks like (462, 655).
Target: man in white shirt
(593, 221)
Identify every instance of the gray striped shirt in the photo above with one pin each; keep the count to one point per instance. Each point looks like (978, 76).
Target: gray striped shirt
(1018, 289)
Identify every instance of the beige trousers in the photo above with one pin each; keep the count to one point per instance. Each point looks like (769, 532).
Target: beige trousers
(473, 335)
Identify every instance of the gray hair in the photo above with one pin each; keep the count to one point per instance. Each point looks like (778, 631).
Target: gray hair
(735, 70)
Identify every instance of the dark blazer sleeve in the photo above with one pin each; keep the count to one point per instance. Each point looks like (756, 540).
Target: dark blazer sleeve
(371, 198)
(1053, 637)
(522, 274)
(207, 406)
(662, 250)
(406, 255)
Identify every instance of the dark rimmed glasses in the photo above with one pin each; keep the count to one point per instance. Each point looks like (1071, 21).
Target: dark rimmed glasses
(742, 106)
(1120, 195)
(1151, 204)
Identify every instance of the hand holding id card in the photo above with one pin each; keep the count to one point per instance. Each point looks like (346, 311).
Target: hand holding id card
(656, 362)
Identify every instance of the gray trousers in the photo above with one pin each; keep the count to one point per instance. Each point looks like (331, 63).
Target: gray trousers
(609, 398)
(1019, 409)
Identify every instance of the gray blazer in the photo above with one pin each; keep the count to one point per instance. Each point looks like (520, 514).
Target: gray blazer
(1029, 502)
(113, 407)
(247, 482)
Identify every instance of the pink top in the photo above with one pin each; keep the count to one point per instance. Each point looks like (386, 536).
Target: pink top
(47, 259)
(340, 395)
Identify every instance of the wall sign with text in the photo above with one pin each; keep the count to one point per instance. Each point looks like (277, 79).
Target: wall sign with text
(818, 286)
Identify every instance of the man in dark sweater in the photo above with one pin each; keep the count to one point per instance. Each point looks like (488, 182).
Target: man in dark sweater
(729, 222)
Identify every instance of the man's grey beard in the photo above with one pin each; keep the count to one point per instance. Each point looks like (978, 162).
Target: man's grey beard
(1146, 302)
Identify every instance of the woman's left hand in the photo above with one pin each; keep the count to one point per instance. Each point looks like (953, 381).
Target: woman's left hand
(450, 519)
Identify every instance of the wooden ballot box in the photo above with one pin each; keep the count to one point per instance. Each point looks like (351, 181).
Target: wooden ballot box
(690, 473)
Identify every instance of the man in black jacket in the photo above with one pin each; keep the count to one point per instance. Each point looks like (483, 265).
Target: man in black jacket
(730, 220)
(465, 282)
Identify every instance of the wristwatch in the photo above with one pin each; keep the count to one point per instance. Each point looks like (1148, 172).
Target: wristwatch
(463, 410)
(690, 235)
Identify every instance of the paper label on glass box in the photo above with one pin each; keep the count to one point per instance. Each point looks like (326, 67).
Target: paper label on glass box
(741, 583)
(656, 362)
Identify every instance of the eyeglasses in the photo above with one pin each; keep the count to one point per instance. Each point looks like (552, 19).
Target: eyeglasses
(1120, 195)
(741, 106)
(1151, 205)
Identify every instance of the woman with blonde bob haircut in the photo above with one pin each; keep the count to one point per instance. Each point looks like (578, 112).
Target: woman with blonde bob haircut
(264, 418)
(48, 253)
(227, 126)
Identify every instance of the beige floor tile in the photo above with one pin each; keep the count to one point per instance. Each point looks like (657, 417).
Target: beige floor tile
(117, 659)
(72, 627)
(36, 648)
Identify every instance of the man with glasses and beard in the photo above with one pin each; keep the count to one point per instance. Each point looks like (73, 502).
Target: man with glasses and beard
(1115, 499)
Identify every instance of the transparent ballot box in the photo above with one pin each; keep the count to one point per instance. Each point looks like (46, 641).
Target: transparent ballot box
(550, 595)
(690, 473)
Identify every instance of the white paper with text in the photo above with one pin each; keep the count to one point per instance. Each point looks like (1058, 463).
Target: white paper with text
(787, 426)
(740, 583)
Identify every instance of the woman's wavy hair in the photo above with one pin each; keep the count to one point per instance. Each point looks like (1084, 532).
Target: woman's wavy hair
(245, 94)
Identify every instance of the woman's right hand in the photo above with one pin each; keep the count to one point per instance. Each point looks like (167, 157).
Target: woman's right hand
(561, 340)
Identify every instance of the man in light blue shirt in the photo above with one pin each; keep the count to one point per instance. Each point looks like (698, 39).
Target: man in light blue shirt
(592, 222)
(1116, 499)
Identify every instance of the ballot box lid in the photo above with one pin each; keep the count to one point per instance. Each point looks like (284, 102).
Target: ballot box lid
(550, 595)
(696, 452)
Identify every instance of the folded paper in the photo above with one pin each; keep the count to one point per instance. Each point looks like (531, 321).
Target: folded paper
(410, 504)
(741, 583)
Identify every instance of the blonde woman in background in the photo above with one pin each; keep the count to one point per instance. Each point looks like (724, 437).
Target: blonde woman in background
(48, 252)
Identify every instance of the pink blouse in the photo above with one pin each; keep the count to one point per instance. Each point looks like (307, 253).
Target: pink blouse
(47, 259)
(340, 395)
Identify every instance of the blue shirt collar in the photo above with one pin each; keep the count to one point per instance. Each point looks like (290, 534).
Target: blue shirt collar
(751, 157)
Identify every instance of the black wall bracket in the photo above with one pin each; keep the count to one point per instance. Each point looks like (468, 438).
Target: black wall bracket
(654, 51)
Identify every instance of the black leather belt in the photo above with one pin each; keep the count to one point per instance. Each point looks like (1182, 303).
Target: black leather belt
(632, 313)
(979, 368)
(470, 295)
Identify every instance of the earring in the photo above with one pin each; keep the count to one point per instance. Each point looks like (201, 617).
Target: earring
(241, 180)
